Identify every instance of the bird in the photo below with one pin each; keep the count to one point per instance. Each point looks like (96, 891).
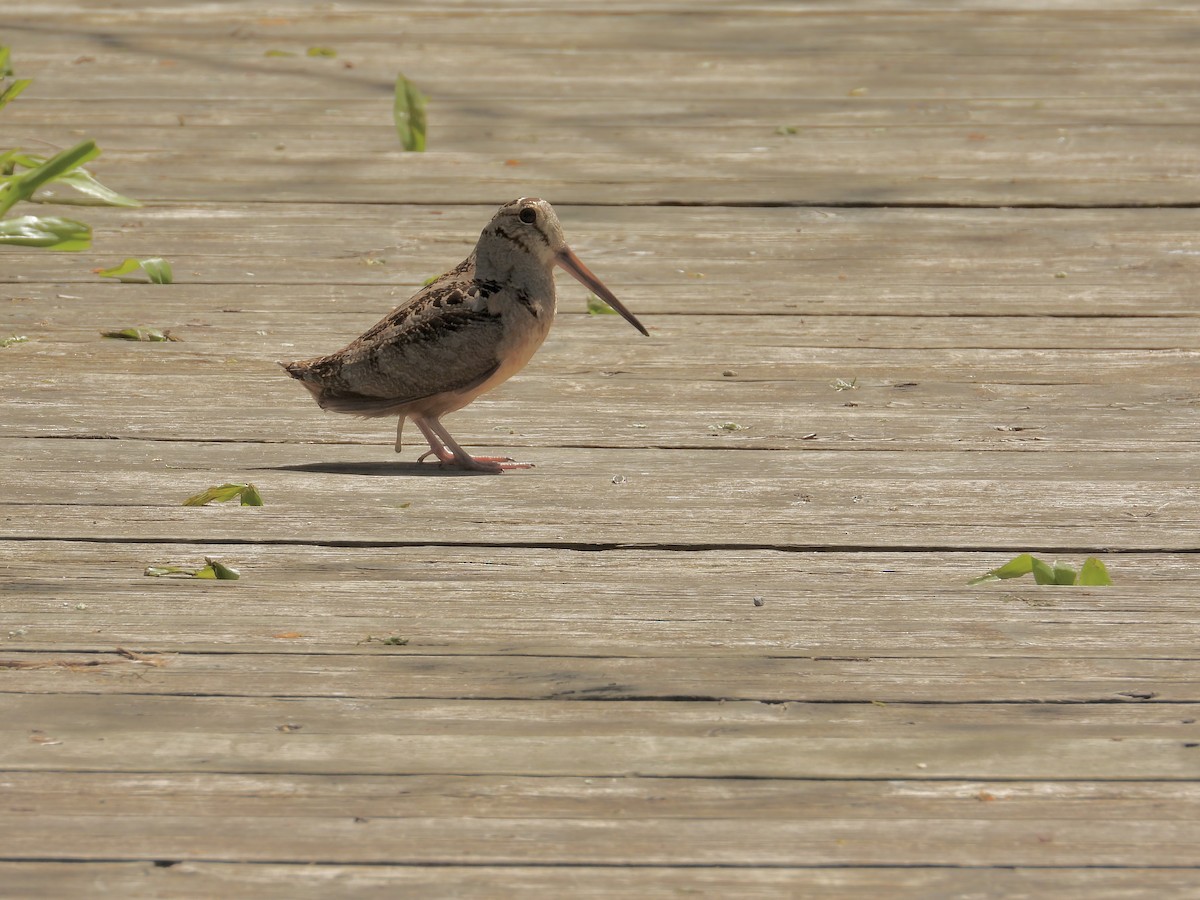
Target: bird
(459, 336)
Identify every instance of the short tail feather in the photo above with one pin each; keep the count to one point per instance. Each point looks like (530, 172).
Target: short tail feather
(341, 402)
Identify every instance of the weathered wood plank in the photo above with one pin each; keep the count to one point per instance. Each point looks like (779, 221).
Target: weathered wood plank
(423, 673)
(897, 407)
(723, 55)
(709, 842)
(309, 880)
(160, 806)
(958, 262)
(843, 618)
(316, 797)
(875, 727)
(132, 733)
(694, 499)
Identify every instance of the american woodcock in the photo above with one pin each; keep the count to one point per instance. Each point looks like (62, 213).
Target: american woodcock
(460, 336)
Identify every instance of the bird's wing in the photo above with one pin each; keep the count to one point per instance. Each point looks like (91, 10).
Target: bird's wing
(442, 340)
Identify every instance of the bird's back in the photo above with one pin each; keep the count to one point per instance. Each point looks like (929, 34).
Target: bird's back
(443, 340)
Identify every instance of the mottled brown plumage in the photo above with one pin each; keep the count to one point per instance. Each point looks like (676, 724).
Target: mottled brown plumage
(462, 335)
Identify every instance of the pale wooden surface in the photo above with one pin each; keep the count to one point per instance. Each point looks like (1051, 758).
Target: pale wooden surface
(984, 222)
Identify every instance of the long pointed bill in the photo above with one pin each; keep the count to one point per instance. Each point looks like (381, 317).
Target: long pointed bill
(584, 276)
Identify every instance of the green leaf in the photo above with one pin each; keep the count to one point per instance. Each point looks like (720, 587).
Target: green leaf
(408, 111)
(1060, 574)
(211, 570)
(1043, 572)
(1014, 568)
(14, 339)
(49, 232)
(85, 182)
(279, 53)
(251, 496)
(148, 335)
(322, 51)
(10, 93)
(1094, 574)
(597, 307)
(164, 571)
(1064, 574)
(157, 269)
(223, 493)
(80, 179)
(13, 90)
(221, 571)
(21, 187)
(983, 579)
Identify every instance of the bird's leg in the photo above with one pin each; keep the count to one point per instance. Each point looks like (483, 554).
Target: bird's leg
(438, 450)
(435, 443)
(460, 456)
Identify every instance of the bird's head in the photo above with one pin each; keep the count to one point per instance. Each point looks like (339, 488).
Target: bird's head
(526, 232)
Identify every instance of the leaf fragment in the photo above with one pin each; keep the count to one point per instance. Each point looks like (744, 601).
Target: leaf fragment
(211, 570)
(157, 269)
(247, 494)
(48, 232)
(408, 111)
(13, 90)
(597, 307)
(21, 186)
(221, 571)
(1094, 574)
(9, 93)
(150, 335)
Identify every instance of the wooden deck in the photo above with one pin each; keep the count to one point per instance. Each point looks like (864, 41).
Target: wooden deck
(921, 285)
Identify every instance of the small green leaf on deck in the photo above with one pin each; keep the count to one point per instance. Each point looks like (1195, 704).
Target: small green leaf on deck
(85, 182)
(211, 570)
(9, 92)
(1094, 574)
(221, 571)
(164, 571)
(408, 111)
(48, 232)
(279, 53)
(152, 335)
(12, 90)
(247, 494)
(13, 339)
(786, 129)
(597, 307)
(1063, 574)
(328, 52)
(16, 186)
(157, 269)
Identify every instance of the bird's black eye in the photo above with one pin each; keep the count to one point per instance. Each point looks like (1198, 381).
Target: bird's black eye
(528, 215)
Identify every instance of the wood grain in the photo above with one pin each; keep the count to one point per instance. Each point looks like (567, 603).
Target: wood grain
(921, 290)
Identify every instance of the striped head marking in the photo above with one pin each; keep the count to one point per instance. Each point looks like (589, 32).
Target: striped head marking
(526, 234)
